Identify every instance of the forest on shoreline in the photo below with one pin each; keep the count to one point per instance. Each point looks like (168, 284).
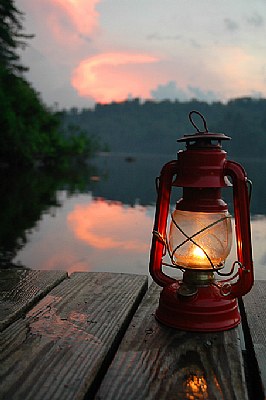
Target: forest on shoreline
(153, 127)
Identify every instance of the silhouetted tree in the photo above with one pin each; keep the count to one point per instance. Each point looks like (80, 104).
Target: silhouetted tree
(29, 130)
(12, 36)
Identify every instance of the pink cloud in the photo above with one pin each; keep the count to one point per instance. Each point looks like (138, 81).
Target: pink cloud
(64, 22)
(113, 76)
(81, 13)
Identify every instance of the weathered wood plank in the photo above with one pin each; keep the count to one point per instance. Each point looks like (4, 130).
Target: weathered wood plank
(156, 362)
(255, 314)
(20, 289)
(65, 343)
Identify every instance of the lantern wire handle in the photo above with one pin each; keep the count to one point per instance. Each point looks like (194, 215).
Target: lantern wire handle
(157, 181)
(193, 123)
(249, 182)
(197, 233)
(231, 270)
(196, 244)
(190, 238)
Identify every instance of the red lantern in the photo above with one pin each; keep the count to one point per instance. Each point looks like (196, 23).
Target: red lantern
(199, 237)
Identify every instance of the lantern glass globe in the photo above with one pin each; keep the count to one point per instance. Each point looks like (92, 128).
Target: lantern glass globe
(206, 238)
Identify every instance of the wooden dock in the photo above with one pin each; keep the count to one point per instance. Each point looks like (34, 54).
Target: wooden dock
(94, 336)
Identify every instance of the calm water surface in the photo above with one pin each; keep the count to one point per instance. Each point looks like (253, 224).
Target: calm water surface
(106, 224)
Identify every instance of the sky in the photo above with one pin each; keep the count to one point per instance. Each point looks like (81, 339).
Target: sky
(98, 51)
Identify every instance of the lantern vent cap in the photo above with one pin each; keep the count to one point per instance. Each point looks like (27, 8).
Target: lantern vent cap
(202, 138)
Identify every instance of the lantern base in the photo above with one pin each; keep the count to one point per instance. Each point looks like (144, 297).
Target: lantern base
(205, 311)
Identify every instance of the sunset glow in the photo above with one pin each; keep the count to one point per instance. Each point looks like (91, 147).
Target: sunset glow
(107, 226)
(103, 51)
(108, 77)
(236, 66)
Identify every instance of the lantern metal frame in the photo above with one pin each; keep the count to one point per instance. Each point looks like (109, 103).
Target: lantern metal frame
(199, 302)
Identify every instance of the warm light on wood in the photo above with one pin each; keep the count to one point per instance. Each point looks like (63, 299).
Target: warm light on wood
(196, 388)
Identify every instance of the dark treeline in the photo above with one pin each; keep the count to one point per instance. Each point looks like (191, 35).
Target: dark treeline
(153, 127)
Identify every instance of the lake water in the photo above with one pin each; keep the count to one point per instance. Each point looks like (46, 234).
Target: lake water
(103, 219)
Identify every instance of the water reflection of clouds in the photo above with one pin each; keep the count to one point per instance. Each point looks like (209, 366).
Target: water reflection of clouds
(107, 225)
(99, 235)
(91, 235)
